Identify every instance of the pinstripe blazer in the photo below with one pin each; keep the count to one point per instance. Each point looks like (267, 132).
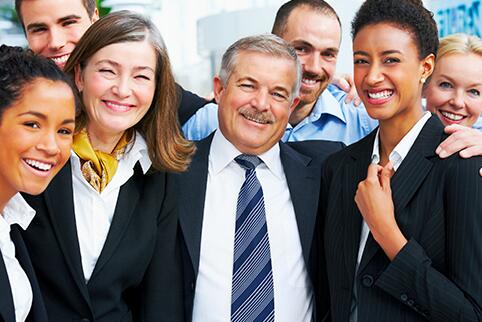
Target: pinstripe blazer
(437, 276)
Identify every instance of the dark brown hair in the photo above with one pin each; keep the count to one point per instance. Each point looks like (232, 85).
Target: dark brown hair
(167, 148)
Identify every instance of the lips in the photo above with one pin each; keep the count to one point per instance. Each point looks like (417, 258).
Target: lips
(378, 97)
(451, 118)
(257, 117)
(60, 60)
(118, 107)
(39, 168)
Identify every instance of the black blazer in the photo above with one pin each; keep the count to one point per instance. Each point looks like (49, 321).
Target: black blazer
(437, 276)
(302, 173)
(137, 275)
(7, 313)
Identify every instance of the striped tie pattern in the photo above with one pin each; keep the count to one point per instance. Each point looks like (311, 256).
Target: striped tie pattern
(252, 295)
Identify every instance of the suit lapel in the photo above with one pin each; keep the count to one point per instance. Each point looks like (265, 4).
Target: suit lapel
(127, 202)
(354, 172)
(304, 186)
(60, 205)
(7, 312)
(193, 191)
(408, 178)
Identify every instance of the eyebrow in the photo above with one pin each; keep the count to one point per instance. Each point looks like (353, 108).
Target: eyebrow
(116, 64)
(384, 53)
(44, 117)
(302, 42)
(60, 20)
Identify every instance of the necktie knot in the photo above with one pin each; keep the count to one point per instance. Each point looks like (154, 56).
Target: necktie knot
(247, 161)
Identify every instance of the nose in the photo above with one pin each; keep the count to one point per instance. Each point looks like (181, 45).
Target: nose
(374, 75)
(56, 39)
(457, 101)
(122, 87)
(48, 143)
(260, 101)
(312, 64)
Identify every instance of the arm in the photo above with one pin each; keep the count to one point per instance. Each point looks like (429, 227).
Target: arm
(464, 139)
(411, 278)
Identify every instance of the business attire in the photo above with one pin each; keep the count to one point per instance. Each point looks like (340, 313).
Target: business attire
(331, 119)
(107, 256)
(20, 297)
(207, 212)
(438, 207)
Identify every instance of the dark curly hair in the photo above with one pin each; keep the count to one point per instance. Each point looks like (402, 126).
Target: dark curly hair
(19, 68)
(409, 15)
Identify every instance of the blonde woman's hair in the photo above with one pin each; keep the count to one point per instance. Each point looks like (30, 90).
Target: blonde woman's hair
(459, 43)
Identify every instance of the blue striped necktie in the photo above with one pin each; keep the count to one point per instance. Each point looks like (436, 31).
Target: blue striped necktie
(252, 295)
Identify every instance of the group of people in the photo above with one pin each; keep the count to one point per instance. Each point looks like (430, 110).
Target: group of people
(110, 212)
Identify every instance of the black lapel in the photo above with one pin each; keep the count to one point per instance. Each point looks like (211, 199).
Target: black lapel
(409, 176)
(60, 204)
(37, 312)
(192, 197)
(303, 180)
(7, 312)
(127, 202)
(354, 172)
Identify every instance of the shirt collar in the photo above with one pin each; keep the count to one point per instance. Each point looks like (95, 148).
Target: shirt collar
(403, 147)
(223, 152)
(327, 104)
(18, 211)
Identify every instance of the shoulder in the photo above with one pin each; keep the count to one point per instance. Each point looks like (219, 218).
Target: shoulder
(316, 149)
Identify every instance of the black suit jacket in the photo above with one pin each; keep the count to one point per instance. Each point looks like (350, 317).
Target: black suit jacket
(437, 276)
(7, 313)
(137, 275)
(302, 174)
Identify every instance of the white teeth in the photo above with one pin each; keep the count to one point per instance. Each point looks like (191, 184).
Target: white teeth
(255, 119)
(380, 95)
(451, 116)
(61, 59)
(39, 165)
(117, 106)
(309, 81)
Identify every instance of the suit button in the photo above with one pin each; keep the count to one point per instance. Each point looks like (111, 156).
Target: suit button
(410, 302)
(404, 297)
(367, 280)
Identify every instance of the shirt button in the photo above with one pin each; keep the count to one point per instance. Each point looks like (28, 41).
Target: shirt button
(404, 297)
(367, 280)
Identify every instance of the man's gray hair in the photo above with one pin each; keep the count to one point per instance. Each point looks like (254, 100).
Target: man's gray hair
(268, 44)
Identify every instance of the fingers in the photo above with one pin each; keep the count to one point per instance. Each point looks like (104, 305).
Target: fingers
(471, 151)
(462, 138)
(480, 172)
(385, 176)
(373, 171)
(452, 128)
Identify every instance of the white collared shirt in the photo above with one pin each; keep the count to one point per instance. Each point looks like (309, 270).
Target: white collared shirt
(93, 210)
(16, 211)
(292, 289)
(396, 157)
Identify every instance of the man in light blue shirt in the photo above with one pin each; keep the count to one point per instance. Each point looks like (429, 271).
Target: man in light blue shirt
(314, 30)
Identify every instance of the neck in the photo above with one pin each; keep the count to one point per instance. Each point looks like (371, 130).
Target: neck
(392, 132)
(102, 141)
(301, 112)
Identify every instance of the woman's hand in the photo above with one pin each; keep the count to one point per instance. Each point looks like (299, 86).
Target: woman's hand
(374, 200)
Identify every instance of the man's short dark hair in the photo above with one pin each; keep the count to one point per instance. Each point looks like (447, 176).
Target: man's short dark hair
(409, 15)
(89, 5)
(281, 20)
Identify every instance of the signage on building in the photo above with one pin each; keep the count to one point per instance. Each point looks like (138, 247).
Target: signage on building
(454, 16)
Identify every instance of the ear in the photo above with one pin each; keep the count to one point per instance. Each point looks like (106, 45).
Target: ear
(218, 88)
(79, 81)
(95, 15)
(295, 102)
(428, 64)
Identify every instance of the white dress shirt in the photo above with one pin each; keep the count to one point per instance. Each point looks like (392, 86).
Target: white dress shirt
(396, 157)
(16, 211)
(94, 210)
(293, 300)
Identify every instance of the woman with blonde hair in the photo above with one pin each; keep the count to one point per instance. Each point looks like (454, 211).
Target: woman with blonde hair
(454, 91)
(103, 243)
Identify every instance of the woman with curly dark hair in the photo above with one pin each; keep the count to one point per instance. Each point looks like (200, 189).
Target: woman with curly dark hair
(37, 110)
(402, 227)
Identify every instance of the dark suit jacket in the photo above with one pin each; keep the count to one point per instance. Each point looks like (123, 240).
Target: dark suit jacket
(437, 276)
(302, 173)
(137, 275)
(7, 312)
(189, 104)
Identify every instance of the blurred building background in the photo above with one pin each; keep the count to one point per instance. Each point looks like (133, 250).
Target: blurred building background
(198, 31)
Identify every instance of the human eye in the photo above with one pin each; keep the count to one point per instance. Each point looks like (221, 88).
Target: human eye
(246, 86)
(32, 124)
(106, 71)
(65, 131)
(445, 85)
(69, 22)
(392, 60)
(301, 49)
(37, 30)
(279, 96)
(143, 77)
(360, 61)
(329, 54)
(474, 92)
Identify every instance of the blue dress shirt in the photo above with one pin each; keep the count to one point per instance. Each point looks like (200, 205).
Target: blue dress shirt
(331, 119)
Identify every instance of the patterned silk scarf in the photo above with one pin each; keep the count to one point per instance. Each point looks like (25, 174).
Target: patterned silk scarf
(98, 168)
